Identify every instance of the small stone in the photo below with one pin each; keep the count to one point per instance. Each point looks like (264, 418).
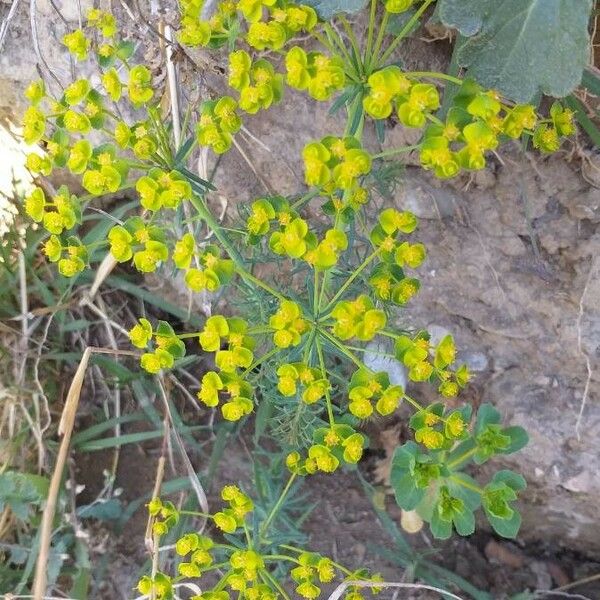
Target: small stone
(476, 361)
(580, 484)
(374, 359)
(504, 553)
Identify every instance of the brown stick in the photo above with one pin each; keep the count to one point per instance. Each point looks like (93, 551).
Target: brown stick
(65, 429)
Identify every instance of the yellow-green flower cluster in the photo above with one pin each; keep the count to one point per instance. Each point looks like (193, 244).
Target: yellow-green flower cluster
(161, 189)
(233, 349)
(335, 163)
(196, 548)
(317, 73)
(367, 388)
(390, 88)
(312, 568)
(357, 318)
(438, 428)
(196, 31)
(257, 82)
(62, 213)
(288, 324)
(232, 517)
(398, 6)
(138, 137)
(164, 516)
(283, 21)
(218, 123)
(144, 243)
(265, 210)
(476, 123)
(425, 362)
(72, 258)
(211, 270)
(295, 377)
(165, 345)
(332, 446)
(388, 280)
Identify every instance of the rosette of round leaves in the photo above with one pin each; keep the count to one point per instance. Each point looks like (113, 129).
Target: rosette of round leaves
(314, 72)
(144, 243)
(218, 123)
(293, 377)
(357, 318)
(289, 324)
(433, 484)
(62, 213)
(213, 270)
(367, 389)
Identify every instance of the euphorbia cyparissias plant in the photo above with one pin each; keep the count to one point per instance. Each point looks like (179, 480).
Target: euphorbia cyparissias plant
(360, 268)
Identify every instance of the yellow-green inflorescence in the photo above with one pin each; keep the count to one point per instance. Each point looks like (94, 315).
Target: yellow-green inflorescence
(358, 264)
(245, 561)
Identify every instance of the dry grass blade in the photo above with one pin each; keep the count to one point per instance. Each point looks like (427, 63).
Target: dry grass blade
(104, 270)
(65, 429)
(340, 589)
(191, 472)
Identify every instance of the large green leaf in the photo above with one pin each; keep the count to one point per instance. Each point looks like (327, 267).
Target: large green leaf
(329, 8)
(522, 47)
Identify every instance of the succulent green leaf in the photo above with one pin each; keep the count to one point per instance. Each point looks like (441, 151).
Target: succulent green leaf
(522, 47)
(327, 9)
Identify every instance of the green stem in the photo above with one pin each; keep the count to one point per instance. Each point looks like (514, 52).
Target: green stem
(404, 32)
(308, 196)
(342, 348)
(268, 578)
(324, 375)
(413, 403)
(352, 277)
(256, 281)
(260, 360)
(435, 75)
(215, 227)
(371, 66)
(278, 504)
(389, 334)
(466, 484)
(369, 46)
(462, 458)
(354, 43)
(335, 39)
(394, 151)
